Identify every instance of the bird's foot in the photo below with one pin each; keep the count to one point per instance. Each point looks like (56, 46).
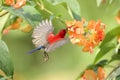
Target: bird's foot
(46, 56)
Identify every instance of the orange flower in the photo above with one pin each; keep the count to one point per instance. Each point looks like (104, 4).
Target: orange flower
(5, 31)
(10, 2)
(89, 75)
(101, 73)
(92, 75)
(14, 26)
(88, 47)
(91, 24)
(86, 35)
(17, 5)
(100, 35)
(17, 26)
(118, 17)
(104, 1)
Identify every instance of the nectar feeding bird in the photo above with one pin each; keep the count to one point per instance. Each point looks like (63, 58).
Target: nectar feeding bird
(44, 38)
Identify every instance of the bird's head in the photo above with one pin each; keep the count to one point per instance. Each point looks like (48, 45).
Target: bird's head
(62, 33)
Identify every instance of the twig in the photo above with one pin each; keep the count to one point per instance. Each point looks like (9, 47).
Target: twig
(3, 13)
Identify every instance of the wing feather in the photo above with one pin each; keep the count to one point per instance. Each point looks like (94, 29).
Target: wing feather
(41, 32)
(57, 44)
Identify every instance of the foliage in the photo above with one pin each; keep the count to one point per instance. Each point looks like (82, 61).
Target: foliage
(25, 15)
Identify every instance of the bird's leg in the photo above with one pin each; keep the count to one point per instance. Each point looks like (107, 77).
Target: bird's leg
(46, 56)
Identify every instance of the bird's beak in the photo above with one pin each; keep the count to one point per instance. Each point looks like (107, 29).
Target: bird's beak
(68, 28)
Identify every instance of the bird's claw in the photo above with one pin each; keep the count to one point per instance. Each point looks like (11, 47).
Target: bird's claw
(46, 57)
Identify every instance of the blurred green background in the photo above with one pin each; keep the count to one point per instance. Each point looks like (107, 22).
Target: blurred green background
(66, 62)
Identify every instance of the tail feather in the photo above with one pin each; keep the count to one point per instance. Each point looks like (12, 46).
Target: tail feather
(34, 50)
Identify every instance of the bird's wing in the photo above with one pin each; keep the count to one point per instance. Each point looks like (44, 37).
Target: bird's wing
(41, 32)
(57, 44)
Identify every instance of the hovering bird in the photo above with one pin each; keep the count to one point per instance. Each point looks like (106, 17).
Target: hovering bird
(44, 38)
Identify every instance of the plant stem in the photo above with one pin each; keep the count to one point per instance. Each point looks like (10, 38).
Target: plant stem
(3, 13)
(41, 5)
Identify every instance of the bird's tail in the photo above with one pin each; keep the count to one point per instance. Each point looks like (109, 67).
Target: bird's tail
(34, 50)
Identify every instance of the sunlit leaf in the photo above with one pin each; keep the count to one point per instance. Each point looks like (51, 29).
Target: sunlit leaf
(3, 20)
(6, 64)
(99, 2)
(103, 50)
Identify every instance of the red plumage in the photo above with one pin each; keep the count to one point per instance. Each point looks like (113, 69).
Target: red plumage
(53, 38)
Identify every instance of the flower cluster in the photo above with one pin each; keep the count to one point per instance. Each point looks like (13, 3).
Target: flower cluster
(92, 75)
(17, 25)
(86, 34)
(17, 5)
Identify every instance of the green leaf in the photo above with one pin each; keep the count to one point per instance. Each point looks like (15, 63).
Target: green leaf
(77, 17)
(30, 3)
(104, 50)
(3, 20)
(57, 10)
(110, 36)
(102, 63)
(73, 5)
(116, 57)
(28, 13)
(1, 76)
(106, 46)
(6, 64)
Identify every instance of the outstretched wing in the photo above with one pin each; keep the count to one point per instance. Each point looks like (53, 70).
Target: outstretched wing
(57, 44)
(41, 32)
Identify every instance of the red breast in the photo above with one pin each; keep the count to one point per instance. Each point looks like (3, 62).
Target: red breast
(53, 38)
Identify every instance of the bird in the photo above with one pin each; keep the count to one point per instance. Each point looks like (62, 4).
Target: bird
(44, 38)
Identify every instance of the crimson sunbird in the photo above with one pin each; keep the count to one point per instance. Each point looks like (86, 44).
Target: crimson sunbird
(44, 38)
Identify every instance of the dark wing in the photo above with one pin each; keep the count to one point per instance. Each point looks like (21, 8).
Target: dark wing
(57, 44)
(41, 32)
